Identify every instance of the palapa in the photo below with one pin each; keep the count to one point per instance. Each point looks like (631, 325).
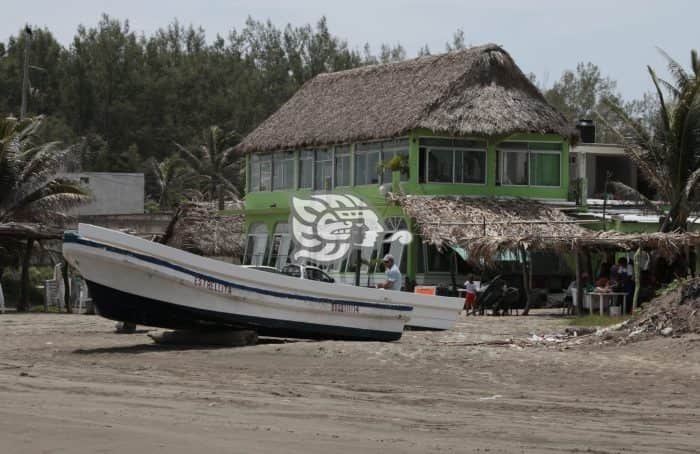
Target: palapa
(478, 91)
(486, 226)
(200, 229)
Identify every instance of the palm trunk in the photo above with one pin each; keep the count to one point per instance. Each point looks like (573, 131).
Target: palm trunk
(220, 193)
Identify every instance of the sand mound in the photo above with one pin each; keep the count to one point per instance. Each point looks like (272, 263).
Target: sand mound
(674, 313)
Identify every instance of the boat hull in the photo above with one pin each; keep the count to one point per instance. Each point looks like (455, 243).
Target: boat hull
(147, 283)
(121, 306)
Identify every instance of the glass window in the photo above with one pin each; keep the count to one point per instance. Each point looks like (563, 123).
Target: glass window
(306, 163)
(514, 169)
(280, 248)
(454, 160)
(283, 172)
(256, 244)
(254, 173)
(390, 149)
(440, 165)
(470, 166)
(366, 162)
(545, 169)
(292, 270)
(535, 163)
(260, 172)
(323, 165)
(342, 166)
(266, 172)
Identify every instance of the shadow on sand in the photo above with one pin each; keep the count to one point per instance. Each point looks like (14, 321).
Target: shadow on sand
(154, 347)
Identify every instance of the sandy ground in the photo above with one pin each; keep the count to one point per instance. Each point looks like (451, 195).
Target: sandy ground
(69, 384)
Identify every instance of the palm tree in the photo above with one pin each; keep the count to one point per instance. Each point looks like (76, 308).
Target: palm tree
(30, 190)
(215, 161)
(175, 181)
(670, 156)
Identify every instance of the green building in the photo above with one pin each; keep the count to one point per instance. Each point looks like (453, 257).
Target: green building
(467, 123)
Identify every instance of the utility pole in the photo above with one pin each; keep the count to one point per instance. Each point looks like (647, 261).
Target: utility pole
(25, 71)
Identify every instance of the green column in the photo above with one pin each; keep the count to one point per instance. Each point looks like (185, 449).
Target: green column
(412, 252)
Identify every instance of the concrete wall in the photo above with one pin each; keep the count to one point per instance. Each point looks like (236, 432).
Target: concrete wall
(142, 224)
(112, 193)
(597, 159)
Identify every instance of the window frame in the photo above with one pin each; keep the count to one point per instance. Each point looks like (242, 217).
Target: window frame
(287, 156)
(256, 162)
(342, 152)
(369, 148)
(317, 161)
(454, 148)
(529, 151)
(306, 155)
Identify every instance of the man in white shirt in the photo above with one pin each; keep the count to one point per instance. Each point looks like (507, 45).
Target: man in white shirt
(393, 274)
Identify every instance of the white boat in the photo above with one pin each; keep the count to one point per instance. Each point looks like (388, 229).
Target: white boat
(147, 283)
(134, 280)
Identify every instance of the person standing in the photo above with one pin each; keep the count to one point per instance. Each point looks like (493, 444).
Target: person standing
(393, 274)
(470, 297)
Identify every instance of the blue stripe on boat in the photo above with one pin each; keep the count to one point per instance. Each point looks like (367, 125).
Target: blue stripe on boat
(71, 237)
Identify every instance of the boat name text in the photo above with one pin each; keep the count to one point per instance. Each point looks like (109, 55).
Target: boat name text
(341, 307)
(216, 287)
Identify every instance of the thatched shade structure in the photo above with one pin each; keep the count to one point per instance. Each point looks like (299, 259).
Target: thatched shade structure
(478, 91)
(200, 229)
(485, 226)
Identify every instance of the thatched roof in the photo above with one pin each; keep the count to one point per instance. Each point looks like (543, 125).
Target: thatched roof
(478, 91)
(200, 229)
(485, 226)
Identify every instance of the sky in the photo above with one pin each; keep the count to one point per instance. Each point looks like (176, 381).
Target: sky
(545, 37)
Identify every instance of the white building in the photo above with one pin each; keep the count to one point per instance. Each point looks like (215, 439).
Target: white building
(112, 193)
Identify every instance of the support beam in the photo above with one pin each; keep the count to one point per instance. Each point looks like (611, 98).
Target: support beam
(66, 287)
(526, 277)
(579, 282)
(637, 278)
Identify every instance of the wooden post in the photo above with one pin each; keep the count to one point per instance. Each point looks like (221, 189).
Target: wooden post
(579, 282)
(526, 277)
(66, 288)
(637, 277)
(23, 305)
(453, 271)
(358, 265)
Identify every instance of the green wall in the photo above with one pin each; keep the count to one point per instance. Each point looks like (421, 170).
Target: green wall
(272, 207)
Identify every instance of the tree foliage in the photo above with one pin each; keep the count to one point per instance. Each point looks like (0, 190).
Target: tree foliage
(123, 97)
(668, 150)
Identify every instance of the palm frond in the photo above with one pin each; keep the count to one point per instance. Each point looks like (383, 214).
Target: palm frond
(630, 193)
(676, 70)
(665, 117)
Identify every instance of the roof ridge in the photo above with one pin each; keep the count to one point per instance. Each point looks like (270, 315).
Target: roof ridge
(407, 63)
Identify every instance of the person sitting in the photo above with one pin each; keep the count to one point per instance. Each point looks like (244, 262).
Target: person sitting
(393, 274)
(571, 291)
